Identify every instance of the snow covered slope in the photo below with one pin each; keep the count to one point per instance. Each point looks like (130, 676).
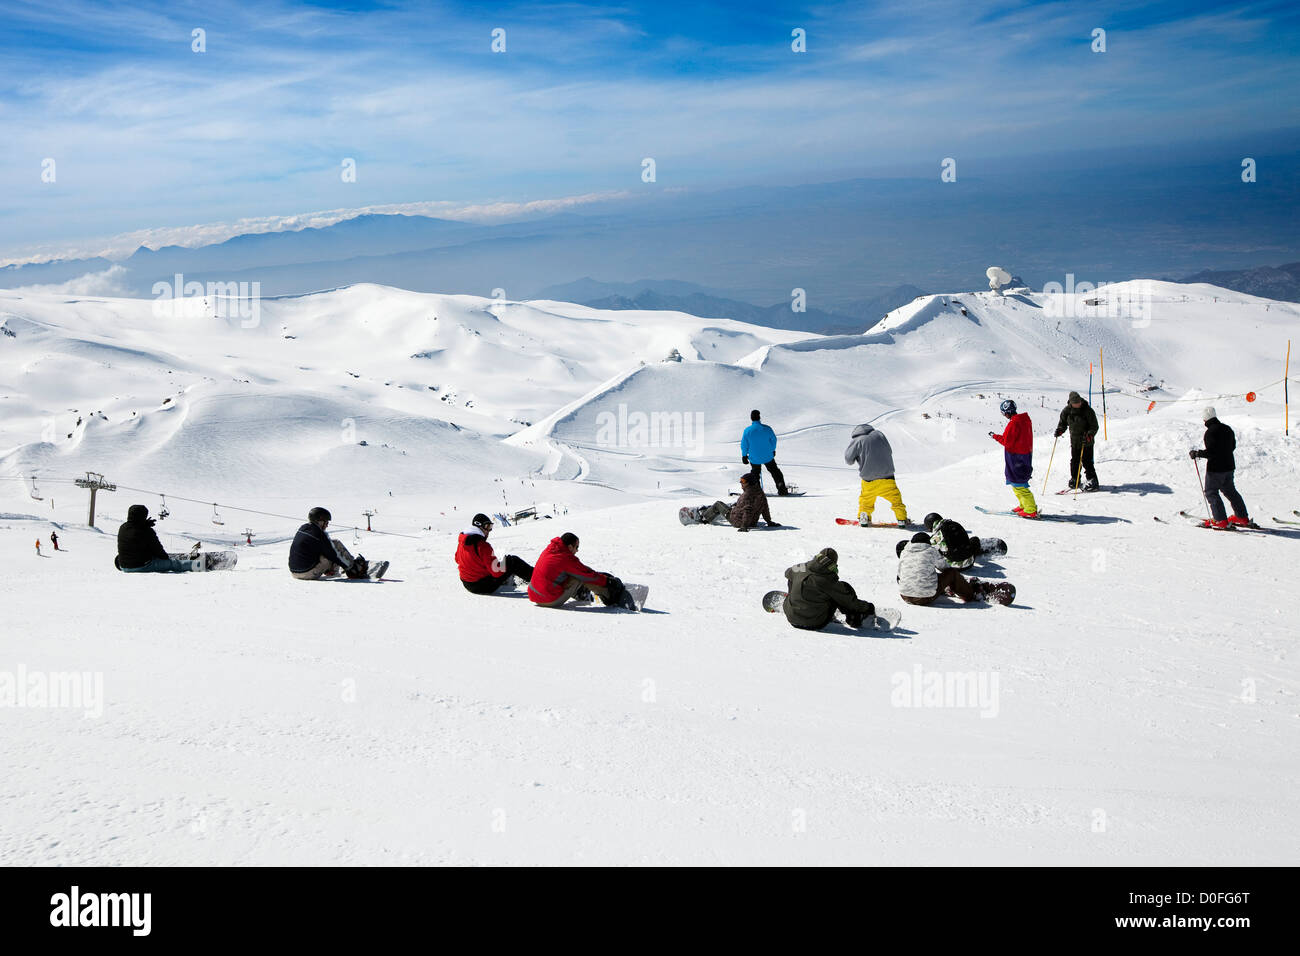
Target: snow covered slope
(1138, 705)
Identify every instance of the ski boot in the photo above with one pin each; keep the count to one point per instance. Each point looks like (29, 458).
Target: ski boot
(360, 568)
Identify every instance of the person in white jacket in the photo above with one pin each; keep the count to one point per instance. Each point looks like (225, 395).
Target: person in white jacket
(924, 574)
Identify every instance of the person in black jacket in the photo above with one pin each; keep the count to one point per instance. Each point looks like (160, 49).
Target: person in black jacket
(816, 592)
(1220, 442)
(1079, 417)
(138, 547)
(313, 554)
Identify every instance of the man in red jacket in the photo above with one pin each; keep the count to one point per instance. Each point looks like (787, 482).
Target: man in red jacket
(1018, 441)
(559, 576)
(480, 570)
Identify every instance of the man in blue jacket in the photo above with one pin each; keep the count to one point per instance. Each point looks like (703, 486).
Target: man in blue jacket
(758, 448)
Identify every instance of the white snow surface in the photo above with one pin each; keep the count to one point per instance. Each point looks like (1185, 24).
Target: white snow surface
(1140, 698)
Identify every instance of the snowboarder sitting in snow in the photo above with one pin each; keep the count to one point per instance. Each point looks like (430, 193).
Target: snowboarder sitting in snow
(559, 576)
(744, 514)
(1081, 420)
(869, 450)
(1018, 441)
(314, 555)
(816, 592)
(138, 547)
(480, 570)
(1220, 443)
(924, 574)
(958, 548)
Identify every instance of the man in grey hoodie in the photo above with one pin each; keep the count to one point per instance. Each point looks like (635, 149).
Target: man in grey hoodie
(869, 450)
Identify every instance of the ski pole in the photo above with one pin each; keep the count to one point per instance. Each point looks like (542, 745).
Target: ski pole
(1078, 474)
(1200, 482)
(1049, 463)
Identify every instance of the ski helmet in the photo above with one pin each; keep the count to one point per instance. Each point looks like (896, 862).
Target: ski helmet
(482, 522)
(318, 514)
(1008, 407)
(932, 519)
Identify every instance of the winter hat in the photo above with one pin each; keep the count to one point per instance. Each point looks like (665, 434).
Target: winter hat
(1076, 397)
(1008, 407)
(137, 513)
(1207, 413)
(920, 537)
(754, 415)
(319, 514)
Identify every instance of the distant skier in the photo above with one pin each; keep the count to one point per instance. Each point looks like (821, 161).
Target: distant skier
(314, 555)
(816, 593)
(758, 448)
(1220, 464)
(480, 570)
(54, 539)
(38, 547)
(924, 574)
(559, 576)
(743, 515)
(958, 548)
(1079, 417)
(1018, 441)
(869, 450)
(138, 547)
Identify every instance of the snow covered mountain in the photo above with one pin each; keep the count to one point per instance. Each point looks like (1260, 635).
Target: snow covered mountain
(1142, 689)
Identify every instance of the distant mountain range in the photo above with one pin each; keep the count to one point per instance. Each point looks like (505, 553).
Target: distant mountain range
(1269, 282)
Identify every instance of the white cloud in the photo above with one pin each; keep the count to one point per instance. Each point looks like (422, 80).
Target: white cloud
(106, 283)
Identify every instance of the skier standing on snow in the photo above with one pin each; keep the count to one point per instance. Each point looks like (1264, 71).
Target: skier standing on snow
(744, 514)
(1220, 442)
(1078, 416)
(138, 547)
(924, 574)
(314, 554)
(480, 570)
(559, 576)
(38, 547)
(869, 450)
(816, 593)
(1018, 441)
(758, 448)
(54, 539)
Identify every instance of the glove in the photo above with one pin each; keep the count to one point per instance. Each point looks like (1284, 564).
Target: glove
(1087, 439)
(1193, 454)
(744, 459)
(1058, 433)
(991, 435)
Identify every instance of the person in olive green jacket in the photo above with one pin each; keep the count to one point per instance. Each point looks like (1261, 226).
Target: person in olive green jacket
(816, 592)
(1081, 420)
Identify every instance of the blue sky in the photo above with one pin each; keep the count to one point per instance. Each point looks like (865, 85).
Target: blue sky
(148, 135)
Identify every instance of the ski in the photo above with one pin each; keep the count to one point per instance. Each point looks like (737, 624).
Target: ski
(1080, 491)
(1284, 521)
(1197, 522)
(1038, 517)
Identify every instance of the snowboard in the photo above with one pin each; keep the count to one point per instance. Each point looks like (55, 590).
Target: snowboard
(1003, 592)
(992, 546)
(885, 618)
(874, 524)
(207, 560)
(788, 494)
(639, 593)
